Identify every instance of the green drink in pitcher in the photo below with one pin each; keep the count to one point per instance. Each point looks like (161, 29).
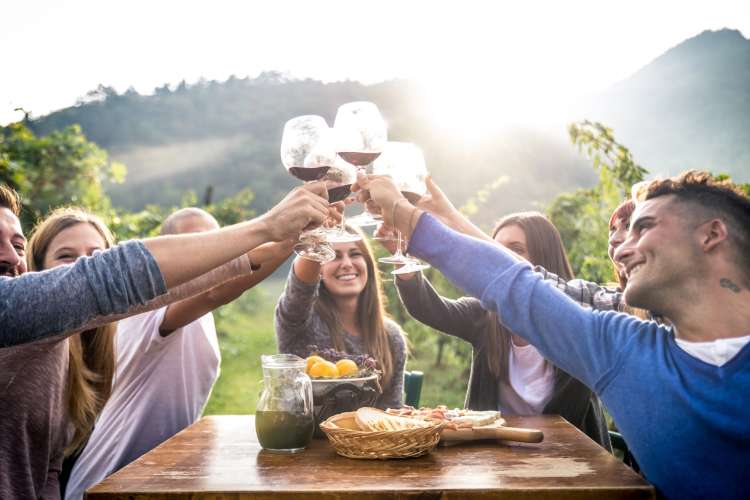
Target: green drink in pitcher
(284, 419)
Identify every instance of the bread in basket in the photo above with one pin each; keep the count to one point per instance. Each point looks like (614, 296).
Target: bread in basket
(374, 434)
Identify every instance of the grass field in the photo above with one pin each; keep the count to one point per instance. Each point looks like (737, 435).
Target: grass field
(245, 330)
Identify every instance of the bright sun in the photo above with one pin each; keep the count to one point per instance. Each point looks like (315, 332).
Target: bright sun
(478, 108)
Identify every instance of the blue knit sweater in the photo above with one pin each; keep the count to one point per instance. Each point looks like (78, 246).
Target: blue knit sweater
(687, 422)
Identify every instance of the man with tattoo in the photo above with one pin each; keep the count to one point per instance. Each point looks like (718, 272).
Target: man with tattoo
(680, 394)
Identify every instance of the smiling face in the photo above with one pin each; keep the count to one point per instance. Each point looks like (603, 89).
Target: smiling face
(12, 245)
(618, 231)
(660, 256)
(513, 237)
(346, 275)
(76, 241)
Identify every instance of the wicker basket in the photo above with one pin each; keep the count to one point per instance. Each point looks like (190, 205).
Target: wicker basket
(352, 442)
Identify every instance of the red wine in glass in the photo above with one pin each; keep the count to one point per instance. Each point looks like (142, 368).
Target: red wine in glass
(358, 159)
(309, 174)
(339, 193)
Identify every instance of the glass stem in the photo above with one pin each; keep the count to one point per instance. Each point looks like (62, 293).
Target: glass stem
(398, 245)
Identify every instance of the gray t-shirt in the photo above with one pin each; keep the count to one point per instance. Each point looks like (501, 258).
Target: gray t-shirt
(37, 312)
(298, 325)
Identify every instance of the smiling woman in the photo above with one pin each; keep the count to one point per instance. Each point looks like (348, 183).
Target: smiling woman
(339, 305)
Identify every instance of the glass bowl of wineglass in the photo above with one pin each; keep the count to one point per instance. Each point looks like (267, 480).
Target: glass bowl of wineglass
(303, 155)
(361, 134)
(405, 164)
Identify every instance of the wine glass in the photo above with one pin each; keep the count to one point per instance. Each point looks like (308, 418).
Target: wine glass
(404, 163)
(338, 179)
(303, 155)
(361, 134)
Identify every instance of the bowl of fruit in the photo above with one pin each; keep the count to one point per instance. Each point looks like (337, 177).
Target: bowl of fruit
(341, 381)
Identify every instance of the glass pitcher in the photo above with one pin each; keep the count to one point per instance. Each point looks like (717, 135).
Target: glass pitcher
(284, 419)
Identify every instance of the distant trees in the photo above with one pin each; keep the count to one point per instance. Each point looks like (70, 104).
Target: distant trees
(65, 168)
(57, 169)
(582, 217)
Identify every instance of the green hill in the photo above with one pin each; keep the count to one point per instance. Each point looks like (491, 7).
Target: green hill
(689, 108)
(227, 135)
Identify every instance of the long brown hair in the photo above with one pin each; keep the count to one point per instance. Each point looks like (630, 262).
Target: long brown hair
(545, 248)
(371, 313)
(91, 353)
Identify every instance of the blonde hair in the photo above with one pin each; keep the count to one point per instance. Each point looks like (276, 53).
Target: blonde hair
(371, 314)
(91, 353)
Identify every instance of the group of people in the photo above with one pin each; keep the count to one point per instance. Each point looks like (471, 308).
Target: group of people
(107, 350)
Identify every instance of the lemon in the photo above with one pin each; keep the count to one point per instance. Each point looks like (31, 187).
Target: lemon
(325, 369)
(346, 367)
(311, 360)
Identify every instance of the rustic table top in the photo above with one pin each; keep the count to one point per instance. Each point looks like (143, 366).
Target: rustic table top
(219, 457)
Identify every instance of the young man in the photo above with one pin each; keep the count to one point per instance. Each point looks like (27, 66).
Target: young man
(12, 240)
(39, 310)
(167, 362)
(679, 394)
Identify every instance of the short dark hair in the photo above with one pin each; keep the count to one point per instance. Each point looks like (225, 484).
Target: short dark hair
(710, 198)
(9, 199)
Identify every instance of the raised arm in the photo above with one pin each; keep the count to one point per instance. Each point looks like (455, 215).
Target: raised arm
(294, 310)
(63, 300)
(584, 292)
(259, 264)
(436, 203)
(587, 344)
(35, 306)
(463, 318)
(185, 256)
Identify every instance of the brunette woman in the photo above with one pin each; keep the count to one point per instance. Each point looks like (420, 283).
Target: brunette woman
(340, 305)
(507, 373)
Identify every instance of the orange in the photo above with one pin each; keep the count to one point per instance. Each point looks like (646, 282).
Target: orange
(346, 367)
(324, 369)
(311, 360)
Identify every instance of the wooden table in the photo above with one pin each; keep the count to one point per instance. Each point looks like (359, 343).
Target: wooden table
(219, 458)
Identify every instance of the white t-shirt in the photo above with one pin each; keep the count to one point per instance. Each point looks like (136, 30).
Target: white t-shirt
(716, 352)
(532, 382)
(161, 386)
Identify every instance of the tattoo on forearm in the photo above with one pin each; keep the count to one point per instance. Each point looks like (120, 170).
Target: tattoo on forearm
(725, 283)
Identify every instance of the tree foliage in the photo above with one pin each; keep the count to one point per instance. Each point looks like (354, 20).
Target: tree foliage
(582, 217)
(61, 168)
(65, 168)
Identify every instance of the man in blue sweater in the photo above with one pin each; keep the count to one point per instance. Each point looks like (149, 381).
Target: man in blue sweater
(680, 395)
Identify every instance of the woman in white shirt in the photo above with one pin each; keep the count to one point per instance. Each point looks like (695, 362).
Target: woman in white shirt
(507, 373)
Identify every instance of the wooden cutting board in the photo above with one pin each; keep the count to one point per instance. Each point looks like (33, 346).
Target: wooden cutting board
(494, 431)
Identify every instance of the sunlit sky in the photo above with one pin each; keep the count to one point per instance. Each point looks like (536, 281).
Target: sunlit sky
(529, 57)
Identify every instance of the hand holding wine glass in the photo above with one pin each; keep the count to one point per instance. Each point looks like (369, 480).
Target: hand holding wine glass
(404, 163)
(303, 208)
(302, 146)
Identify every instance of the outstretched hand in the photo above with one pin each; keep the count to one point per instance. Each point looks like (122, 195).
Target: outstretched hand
(436, 202)
(378, 193)
(305, 207)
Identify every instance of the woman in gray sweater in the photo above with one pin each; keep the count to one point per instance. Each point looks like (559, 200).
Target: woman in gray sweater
(507, 373)
(340, 305)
